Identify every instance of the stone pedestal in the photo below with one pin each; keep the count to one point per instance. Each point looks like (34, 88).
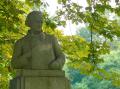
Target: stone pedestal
(40, 79)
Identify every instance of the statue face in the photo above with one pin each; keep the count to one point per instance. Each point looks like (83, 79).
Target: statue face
(34, 20)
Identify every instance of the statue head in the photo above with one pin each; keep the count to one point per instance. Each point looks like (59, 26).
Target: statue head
(34, 20)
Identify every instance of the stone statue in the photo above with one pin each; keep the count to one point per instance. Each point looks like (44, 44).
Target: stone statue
(37, 50)
(38, 59)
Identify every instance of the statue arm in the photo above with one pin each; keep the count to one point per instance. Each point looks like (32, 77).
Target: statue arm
(59, 56)
(18, 59)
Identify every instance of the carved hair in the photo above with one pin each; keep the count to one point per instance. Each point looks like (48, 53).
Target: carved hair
(32, 15)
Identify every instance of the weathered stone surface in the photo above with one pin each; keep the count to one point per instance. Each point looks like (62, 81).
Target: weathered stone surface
(38, 59)
(48, 73)
(40, 79)
(46, 83)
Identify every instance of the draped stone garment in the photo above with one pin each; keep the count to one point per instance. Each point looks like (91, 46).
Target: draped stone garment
(37, 51)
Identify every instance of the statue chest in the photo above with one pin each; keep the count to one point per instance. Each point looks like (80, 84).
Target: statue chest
(37, 44)
(42, 52)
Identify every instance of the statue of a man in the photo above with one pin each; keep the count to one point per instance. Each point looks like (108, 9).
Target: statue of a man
(37, 50)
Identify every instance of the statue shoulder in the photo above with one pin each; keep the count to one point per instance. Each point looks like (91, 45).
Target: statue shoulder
(50, 36)
(21, 40)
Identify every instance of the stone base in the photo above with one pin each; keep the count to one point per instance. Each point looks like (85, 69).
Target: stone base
(50, 80)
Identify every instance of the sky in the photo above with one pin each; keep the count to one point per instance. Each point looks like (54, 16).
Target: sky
(70, 28)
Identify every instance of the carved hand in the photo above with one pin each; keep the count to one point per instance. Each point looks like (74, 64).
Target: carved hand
(27, 55)
(54, 65)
